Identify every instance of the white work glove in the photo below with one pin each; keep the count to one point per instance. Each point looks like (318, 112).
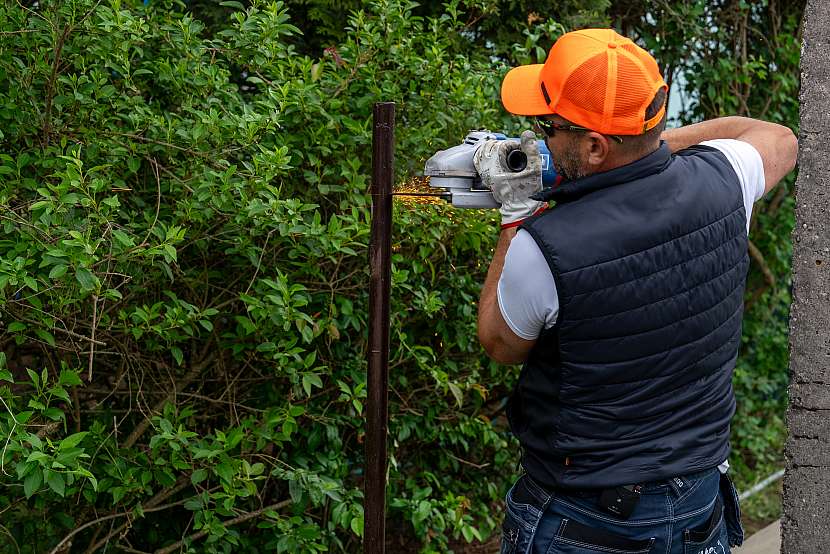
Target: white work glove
(510, 188)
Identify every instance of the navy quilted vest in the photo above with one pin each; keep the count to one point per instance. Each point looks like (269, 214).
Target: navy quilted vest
(634, 382)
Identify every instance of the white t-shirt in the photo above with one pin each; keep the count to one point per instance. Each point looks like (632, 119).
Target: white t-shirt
(526, 290)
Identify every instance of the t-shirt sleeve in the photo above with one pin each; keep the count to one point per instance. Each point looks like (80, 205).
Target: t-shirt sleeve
(526, 290)
(747, 163)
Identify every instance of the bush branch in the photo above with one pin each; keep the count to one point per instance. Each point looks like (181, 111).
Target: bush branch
(234, 521)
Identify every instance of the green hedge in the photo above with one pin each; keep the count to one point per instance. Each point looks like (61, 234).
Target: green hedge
(184, 272)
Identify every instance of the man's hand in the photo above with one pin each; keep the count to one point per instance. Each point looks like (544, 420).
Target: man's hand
(511, 188)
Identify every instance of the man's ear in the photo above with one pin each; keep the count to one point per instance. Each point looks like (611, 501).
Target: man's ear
(597, 149)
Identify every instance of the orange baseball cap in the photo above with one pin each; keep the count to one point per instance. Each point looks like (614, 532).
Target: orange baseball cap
(594, 78)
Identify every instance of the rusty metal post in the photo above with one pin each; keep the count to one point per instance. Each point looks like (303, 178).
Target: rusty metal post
(374, 502)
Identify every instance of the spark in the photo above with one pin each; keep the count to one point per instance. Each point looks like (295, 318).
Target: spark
(419, 186)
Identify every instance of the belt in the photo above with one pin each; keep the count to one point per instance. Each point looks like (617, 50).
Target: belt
(621, 500)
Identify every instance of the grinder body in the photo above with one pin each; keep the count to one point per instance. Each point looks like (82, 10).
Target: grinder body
(453, 170)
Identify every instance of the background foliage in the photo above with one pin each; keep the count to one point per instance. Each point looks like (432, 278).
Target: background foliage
(184, 211)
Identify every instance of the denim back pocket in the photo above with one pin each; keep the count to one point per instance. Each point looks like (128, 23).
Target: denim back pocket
(576, 538)
(525, 503)
(709, 538)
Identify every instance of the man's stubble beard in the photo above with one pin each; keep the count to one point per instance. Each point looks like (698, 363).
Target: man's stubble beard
(568, 164)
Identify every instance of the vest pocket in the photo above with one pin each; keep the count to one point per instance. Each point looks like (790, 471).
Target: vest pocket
(576, 538)
(709, 538)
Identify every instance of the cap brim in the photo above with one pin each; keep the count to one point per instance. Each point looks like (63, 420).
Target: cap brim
(521, 93)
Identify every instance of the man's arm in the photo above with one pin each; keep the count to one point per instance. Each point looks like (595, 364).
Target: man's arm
(498, 340)
(776, 144)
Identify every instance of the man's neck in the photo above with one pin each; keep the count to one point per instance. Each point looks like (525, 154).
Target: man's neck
(619, 159)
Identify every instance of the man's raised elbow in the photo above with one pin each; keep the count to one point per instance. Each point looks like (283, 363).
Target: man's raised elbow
(497, 351)
(790, 142)
(488, 343)
(502, 357)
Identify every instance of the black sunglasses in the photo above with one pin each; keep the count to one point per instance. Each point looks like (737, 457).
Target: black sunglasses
(550, 127)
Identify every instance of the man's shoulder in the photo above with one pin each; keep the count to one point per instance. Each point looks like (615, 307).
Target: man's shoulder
(722, 155)
(732, 150)
(705, 150)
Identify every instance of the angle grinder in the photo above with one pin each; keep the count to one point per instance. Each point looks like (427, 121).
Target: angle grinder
(452, 171)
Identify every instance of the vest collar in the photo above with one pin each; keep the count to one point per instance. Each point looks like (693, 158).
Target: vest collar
(645, 166)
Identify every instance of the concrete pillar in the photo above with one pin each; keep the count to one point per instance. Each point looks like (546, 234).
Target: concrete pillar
(805, 523)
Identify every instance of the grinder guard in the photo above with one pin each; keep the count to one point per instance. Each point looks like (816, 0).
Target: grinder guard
(453, 170)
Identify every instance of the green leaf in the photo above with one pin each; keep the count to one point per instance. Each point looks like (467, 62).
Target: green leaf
(87, 280)
(113, 294)
(37, 456)
(36, 404)
(467, 531)
(295, 490)
(456, 392)
(123, 238)
(34, 377)
(170, 250)
(117, 494)
(58, 271)
(16, 327)
(316, 71)
(72, 440)
(34, 440)
(30, 282)
(166, 426)
(32, 482)
(309, 380)
(69, 377)
(177, 354)
(6, 375)
(56, 482)
(357, 525)
(112, 202)
(46, 336)
(225, 471)
(54, 414)
(60, 392)
(198, 476)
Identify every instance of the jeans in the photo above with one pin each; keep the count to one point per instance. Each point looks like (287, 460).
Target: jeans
(696, 514)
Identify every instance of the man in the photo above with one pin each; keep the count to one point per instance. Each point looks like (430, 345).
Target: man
(624, 302)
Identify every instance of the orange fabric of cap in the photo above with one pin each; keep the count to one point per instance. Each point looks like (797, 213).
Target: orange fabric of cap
(594, 78)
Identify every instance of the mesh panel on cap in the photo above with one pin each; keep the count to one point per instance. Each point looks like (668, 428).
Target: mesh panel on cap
(629, 107)
(631, 47)
(586, 85)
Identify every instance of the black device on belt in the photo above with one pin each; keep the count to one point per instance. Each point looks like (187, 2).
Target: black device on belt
(620, 501)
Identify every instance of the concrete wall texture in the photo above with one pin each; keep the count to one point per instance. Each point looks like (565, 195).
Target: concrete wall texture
(805, 525)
